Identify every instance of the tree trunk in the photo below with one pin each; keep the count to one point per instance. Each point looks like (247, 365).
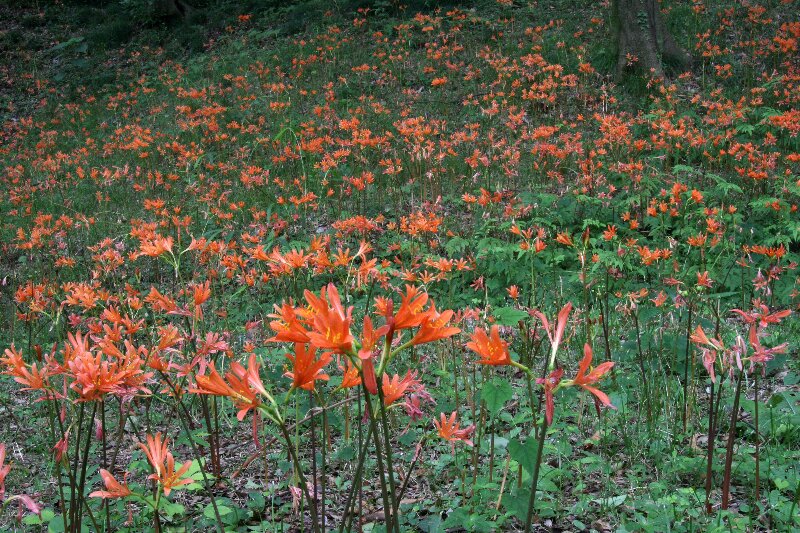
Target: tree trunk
(173, 8)
(644, 43)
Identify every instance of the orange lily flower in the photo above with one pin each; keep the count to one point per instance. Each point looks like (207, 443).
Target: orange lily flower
(239, 386)
(369, 338)
(395, 388)
(287, 326)
(411, 313)
(709, 348)
(156, 247)
(171, 479)
(384, 306)
(586, 378)
(212, 384)
(351, 377)
(435, 327)
(202, 292)
(703, 280)
(449, 429)
(168, 337)
(307, 369)
(155, 450)
(33, 378)
(163, 463)
(162, 303)
(699, 337)
(331, 324)
(253, 377)
(565, 239)
(240, 381)
(95, 377)
(761, 315)
(492, 349)
(114, 489)
(61, 447)
(760, 353)
(513, 292)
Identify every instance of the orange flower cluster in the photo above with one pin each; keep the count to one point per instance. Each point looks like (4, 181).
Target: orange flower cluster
(495, 351)
(93, 367)
(325, 324)
(163, 463)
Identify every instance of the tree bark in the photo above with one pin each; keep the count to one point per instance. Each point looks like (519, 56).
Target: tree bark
(173, 8)
(644, 43)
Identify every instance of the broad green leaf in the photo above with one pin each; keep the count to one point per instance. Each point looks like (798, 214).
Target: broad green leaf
(171, 509)
(509, 316)
(725, 186)
(66, 44)
(56, 525)
(613, 501)
(34, 519)
(524, 453)
(495, 394)
(682, 168)
(208, 512)
(255, 500)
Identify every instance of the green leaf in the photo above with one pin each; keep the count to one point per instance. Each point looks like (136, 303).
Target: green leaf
(457, 518)
(775, 401)
(524, 453)
(509, 316)
(66, 44)
(469, 522)
(517, 502)
(208, 512)
(171, 509)
(780, 483)
(196, 474)
(255, 500)
(495, 394)
(725, 186)
(346, 453)
(56, 525)
(613, 501)
(456, 245)
(33, 519)
(409, 437)
(720, 295)
(431, 524)
(682, 168)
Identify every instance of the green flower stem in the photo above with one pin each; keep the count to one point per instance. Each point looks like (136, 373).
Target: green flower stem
(726, 480)
(302, 478)
(183, 420)
(74, 472)
(535, 475)
(521, 367)
(85, 463)
(348, 515)
(324, 451)
(378, 455)
(389, 467)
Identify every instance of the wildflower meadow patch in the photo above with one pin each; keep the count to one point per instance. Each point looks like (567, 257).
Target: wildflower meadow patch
(381, 267)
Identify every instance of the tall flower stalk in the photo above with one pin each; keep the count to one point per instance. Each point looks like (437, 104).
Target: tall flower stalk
(493, 350)
(326, 324)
